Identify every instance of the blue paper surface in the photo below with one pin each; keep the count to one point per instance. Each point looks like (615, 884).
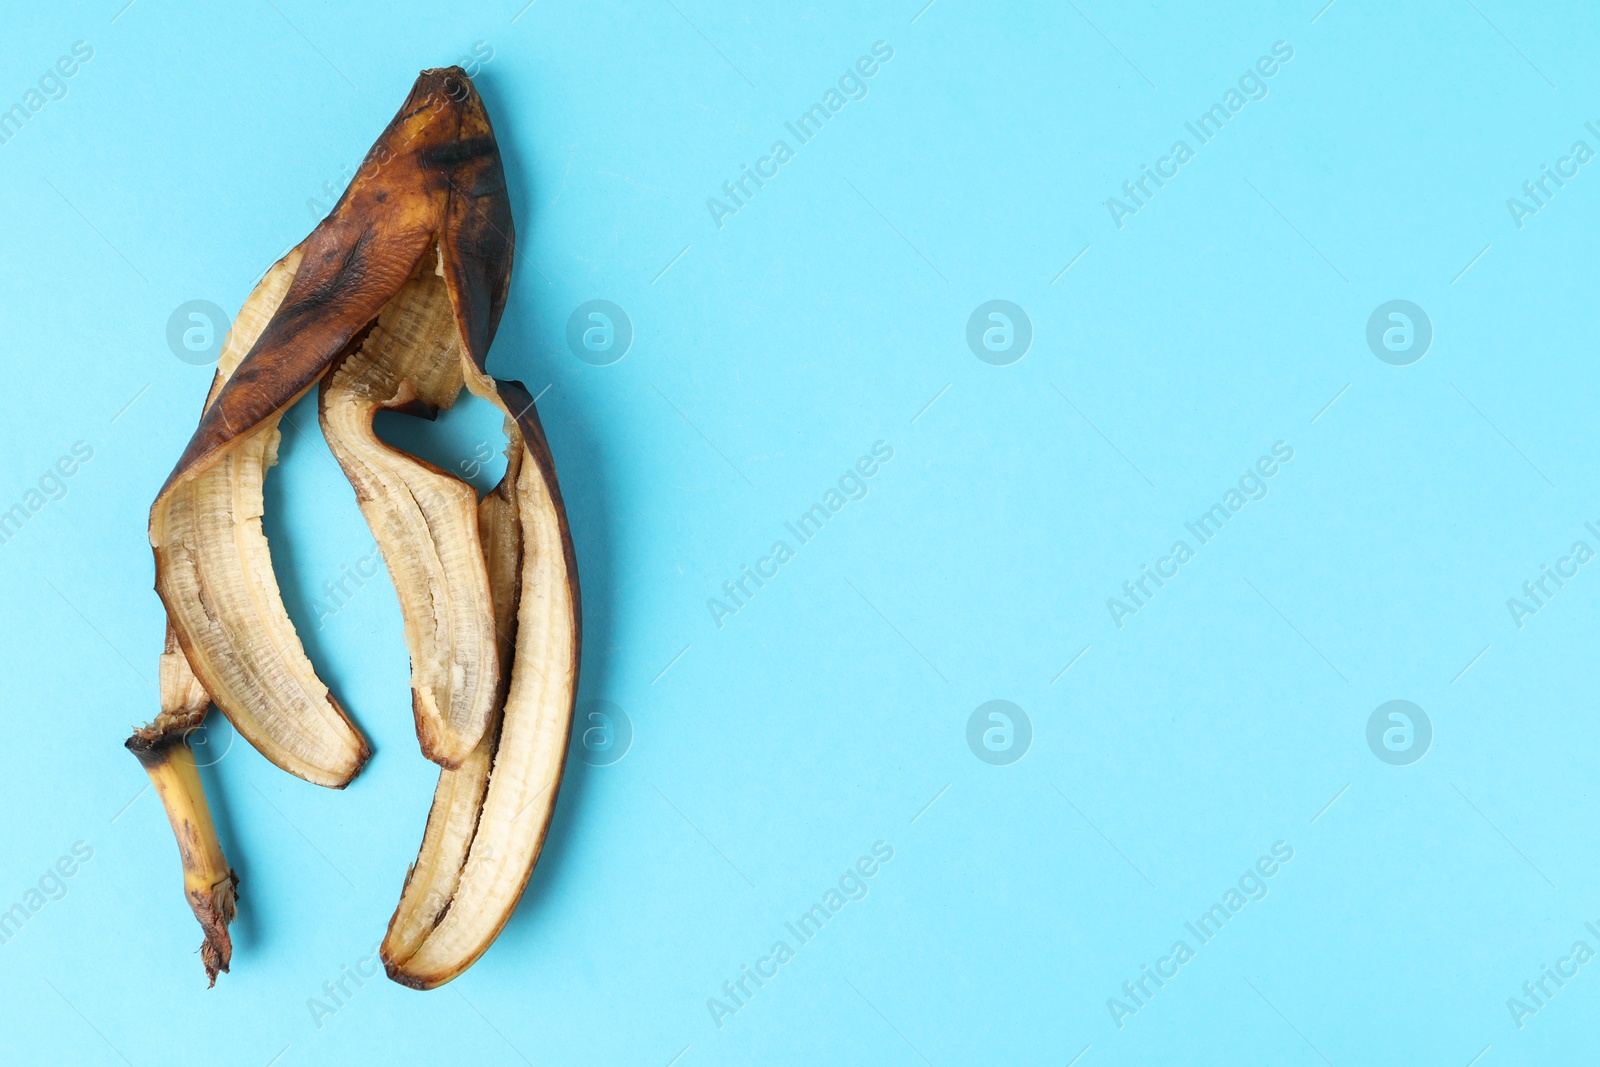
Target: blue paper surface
(1086, 516)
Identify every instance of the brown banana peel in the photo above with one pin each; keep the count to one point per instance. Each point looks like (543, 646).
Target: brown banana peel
(391, 302)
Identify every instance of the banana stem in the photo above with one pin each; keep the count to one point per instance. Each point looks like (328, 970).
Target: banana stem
(208, 881)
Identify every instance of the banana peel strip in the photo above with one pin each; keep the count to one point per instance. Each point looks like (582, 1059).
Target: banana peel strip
(424, 520)
(519, 797)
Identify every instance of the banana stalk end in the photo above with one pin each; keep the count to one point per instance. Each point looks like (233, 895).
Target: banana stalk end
(209, 883)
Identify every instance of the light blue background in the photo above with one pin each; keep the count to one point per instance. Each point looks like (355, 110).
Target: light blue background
(770, 753)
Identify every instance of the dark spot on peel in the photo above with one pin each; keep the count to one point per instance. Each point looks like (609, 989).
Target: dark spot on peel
(491, 182)
(351, 262)
(455, 153)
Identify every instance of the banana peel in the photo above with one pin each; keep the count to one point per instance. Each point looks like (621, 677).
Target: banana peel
(391, 302)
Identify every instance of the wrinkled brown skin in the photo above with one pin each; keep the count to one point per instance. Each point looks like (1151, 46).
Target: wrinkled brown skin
(434, 175)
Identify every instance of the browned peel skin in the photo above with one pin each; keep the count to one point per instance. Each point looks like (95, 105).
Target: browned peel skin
(477, 279)
(433, 173)
(477, 247)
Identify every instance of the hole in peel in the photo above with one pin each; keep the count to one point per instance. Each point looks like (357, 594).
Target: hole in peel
(468, 440)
